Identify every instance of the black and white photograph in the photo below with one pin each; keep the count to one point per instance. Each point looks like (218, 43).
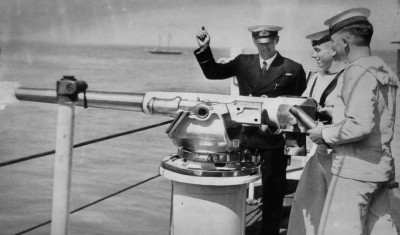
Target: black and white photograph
(188, 117)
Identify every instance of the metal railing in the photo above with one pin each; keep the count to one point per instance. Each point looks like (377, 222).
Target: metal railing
(66, 95)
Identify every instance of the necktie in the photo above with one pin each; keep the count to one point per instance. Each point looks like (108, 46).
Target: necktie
(264, 67)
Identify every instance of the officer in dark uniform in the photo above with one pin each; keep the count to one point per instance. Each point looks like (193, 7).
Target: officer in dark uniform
(266, 73)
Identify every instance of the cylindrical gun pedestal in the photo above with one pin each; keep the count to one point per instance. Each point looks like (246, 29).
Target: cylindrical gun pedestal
(208, 205)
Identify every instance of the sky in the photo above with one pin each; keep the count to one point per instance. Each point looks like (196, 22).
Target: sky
(159, 22)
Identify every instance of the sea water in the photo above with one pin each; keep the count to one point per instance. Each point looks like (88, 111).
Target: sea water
(100, 169)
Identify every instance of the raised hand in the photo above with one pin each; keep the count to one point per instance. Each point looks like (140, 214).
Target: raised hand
(203, 39)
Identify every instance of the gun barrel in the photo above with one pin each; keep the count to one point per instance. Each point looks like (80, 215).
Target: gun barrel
(95, 99)
(271, 111)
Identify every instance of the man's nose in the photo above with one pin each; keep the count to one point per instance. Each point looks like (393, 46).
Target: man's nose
(314, 55)
(264, 45)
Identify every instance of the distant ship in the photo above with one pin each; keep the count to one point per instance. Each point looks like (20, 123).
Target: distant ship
(165, 50)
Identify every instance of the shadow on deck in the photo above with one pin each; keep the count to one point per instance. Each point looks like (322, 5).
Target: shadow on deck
(254, 212)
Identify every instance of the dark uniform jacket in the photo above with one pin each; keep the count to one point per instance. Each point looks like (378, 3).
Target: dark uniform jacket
(284, 77)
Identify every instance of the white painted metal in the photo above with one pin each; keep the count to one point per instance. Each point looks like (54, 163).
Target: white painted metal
(62, 169)
(208, 205)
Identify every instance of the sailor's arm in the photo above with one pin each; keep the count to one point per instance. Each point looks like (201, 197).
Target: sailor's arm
(205, 58)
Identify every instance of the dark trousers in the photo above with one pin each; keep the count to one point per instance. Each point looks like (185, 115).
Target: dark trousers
(273, 177)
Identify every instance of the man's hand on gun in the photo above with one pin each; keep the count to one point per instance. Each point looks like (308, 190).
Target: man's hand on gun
(316, 133)
(203, 39)
(326, 111)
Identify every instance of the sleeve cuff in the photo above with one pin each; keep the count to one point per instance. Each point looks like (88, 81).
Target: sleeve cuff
(203, 56)
(325, 136)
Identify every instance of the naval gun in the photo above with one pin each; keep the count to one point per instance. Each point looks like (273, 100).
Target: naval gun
(212, 168)
(208, 129)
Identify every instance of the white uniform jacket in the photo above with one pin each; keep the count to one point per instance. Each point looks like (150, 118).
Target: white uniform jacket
(361, 142)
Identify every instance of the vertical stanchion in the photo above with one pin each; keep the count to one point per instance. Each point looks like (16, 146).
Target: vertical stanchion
(62, 169)
(68, 89)
(250, 197)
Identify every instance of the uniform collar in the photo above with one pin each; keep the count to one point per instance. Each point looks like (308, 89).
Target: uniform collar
(269, 61)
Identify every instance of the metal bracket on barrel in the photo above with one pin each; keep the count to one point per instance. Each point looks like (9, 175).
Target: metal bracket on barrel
(68, 89)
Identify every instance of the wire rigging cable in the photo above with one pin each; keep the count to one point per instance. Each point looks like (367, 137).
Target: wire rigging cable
(90, 204)
(22, 159)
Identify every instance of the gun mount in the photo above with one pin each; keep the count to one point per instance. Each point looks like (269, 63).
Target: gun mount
(208, 129)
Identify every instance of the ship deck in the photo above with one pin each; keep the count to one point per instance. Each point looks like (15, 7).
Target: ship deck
(253, 212)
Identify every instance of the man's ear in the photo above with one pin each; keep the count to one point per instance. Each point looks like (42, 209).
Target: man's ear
(333, 52)
(276, 39)
(345, 39)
